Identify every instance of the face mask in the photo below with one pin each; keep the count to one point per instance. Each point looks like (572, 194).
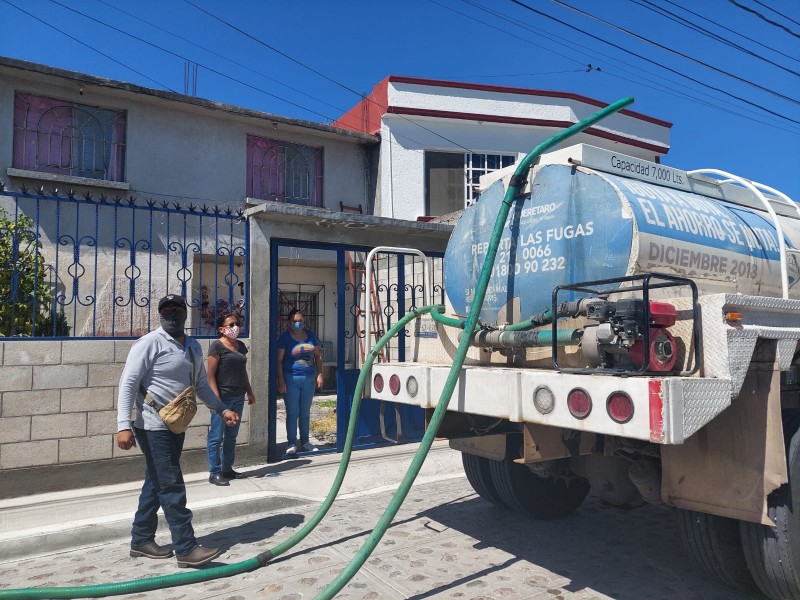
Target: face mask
(231, 332)
(173, 323)
(297, 324)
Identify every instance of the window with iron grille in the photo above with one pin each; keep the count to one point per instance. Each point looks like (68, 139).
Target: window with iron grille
(306, 299)
(450, 178)
(66, 138)
(284, 172)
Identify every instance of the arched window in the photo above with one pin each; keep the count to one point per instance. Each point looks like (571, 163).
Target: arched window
(284, 172)
(65, 138)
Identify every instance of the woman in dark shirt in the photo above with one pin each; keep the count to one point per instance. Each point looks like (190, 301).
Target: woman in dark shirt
(227, 376)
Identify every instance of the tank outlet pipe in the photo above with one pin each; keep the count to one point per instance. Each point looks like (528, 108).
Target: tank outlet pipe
(570, 308)
(261, 560)
(486, 338)
(513, 193)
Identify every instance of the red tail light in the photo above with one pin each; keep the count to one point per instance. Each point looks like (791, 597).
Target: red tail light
(579, 403)
(377, 383)
(620, 407)
(394, 385)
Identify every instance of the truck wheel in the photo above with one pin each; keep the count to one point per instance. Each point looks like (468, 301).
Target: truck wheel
(716, 546)
(773, 552)
(539, 497)
(479, 476)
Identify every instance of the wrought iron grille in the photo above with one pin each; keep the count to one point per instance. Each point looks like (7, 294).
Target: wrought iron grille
(95, 267)
(62, 137)
(398, 286)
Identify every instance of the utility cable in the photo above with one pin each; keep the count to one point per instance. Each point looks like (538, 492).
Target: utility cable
(320, 74)
(710, 34)
(175, 54)
(776, 12)
(764, 18)
(671, 70)
(728, 29)
(217, 54)
(676, 53)
(92, 48)
(651, 84)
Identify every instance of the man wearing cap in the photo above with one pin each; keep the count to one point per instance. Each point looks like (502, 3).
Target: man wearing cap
(161, 364)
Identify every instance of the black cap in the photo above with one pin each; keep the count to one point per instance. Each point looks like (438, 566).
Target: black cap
(171, 300)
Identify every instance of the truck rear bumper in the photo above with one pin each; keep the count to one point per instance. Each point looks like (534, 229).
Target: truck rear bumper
(667, 410)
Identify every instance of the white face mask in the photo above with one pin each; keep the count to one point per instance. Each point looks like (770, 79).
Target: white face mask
(231, 332)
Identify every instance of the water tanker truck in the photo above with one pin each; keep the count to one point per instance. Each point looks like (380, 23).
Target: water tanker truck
(638, 338)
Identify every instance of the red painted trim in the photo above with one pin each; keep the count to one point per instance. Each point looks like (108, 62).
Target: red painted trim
(444, 114)
(656, 412)
(523, 91)
(366, 115)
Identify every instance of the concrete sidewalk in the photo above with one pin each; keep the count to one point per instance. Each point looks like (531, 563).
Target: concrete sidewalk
(35, 525)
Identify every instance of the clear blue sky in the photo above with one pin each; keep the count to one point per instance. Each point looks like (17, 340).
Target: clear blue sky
(356, 43)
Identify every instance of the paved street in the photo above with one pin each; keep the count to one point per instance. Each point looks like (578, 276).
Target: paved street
(445, 543)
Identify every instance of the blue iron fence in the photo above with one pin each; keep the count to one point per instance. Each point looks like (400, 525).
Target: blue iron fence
(96, 266)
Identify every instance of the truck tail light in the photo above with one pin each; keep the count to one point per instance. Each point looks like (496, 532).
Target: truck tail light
(412, 386)
(394, 385)
(543, 399)
(620, 407)
(377, 383)
(579, 403)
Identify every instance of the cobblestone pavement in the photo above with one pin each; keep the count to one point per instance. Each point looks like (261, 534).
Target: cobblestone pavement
(445, 543)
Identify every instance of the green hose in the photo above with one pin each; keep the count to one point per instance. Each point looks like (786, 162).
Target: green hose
(516, 184)
(471, 323)
(164, 581)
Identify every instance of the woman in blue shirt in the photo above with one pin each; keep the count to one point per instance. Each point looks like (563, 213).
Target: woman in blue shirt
(299, 372)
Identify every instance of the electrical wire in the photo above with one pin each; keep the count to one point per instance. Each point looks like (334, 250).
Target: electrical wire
(653, 62)
(651, 84)
(728, 29)
(93, 49)
(676, 53)
(776, 12)
(217, 54)
(764, 18)
(320, 74)
(710, 34)
(175, 54)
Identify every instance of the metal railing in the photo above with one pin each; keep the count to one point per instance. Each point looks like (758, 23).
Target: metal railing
(95, 266)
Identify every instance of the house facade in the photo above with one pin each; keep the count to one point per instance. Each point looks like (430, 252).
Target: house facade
(438, 137)
(115, 194)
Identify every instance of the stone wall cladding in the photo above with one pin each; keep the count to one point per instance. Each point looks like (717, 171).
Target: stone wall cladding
(58, 402)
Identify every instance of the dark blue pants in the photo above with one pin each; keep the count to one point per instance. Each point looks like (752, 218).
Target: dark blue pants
(163, 487)
(221, 446)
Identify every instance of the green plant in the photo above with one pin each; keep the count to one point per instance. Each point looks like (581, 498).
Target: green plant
(25, 292)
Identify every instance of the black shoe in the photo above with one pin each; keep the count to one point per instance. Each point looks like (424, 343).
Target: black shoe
(233, 475)
(197, 557)
(218, 480)
(150, 550)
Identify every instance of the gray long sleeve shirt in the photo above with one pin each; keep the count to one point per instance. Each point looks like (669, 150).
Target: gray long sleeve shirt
(159, 364)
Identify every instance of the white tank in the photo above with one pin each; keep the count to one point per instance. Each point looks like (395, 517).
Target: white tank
(583, 224)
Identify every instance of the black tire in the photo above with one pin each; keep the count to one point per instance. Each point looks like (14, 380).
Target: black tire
(541, 498)
(715, 544)
(773, 552)
(479, 476)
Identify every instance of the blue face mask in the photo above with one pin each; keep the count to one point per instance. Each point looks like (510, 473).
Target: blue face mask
(297, 324)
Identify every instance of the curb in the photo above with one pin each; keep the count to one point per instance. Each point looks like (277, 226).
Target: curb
(72, 536)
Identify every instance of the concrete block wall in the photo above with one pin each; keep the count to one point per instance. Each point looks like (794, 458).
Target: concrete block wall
(58, 402)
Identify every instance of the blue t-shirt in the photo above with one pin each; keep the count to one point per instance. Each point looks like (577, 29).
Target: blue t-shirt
(298, 357)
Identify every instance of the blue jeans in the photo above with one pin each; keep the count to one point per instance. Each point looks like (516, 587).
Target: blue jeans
(221, 447)
(298, 397)
(163, 487)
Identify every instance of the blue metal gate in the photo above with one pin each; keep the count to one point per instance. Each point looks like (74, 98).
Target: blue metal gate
(397, 287)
